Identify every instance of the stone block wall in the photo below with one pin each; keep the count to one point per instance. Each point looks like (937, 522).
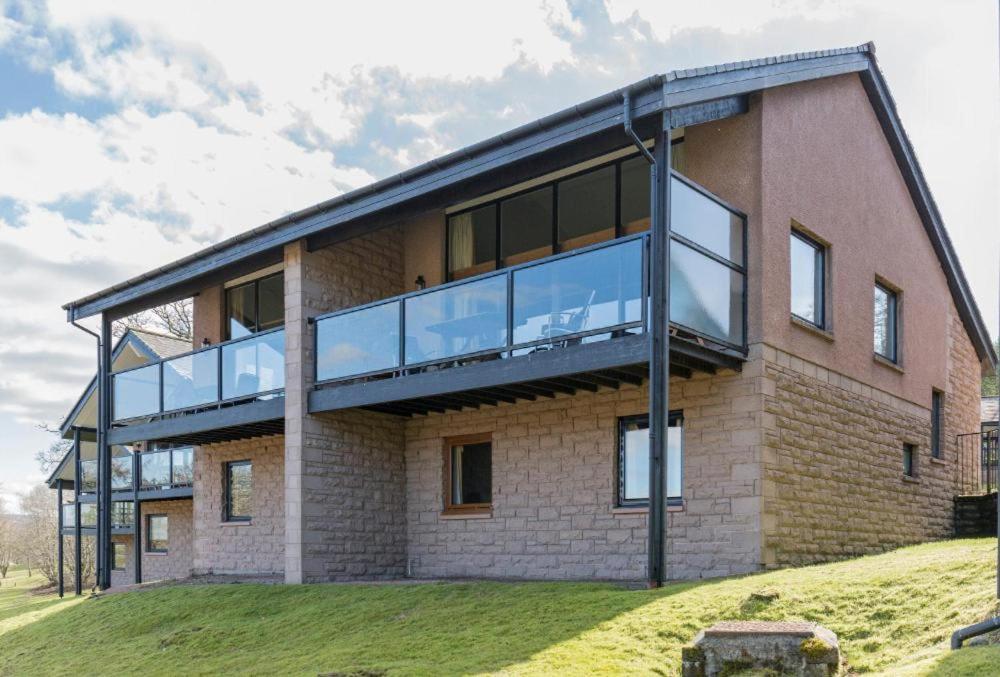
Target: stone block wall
(254, 547)
(554, 489)
(833, 463)
(177, 562)
(333, 528)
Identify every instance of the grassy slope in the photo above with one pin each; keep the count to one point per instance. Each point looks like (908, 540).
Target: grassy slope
(893, 612)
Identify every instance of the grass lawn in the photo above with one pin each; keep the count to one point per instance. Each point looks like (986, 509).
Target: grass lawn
(893, 613)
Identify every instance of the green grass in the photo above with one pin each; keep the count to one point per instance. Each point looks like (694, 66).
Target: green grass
(893, 613)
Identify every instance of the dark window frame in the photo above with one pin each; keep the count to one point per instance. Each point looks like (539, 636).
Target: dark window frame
(114, 556)
(937, 427)
(149, 533)
(820, 281)
(893, 317)
(674, 419)
(227, 331)
(554, 185)
(450, 443)
(909, 459)
(227, 514)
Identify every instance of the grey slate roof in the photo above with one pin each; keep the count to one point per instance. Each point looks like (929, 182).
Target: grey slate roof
(161, 345)
(867, 48)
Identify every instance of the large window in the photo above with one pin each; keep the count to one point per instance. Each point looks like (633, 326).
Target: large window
(468, 473)
(808, 279)
(255, 306)
(937, 418)
(157, 533)
(239, 491)
(633, 460)
(886, 322)
(120, 558)
(591, 206)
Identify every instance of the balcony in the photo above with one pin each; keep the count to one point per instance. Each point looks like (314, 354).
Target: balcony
(203, 387)
(564, 302)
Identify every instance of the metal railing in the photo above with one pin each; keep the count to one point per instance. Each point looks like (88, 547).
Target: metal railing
(978, 457)
(243, 368)
(579, 296)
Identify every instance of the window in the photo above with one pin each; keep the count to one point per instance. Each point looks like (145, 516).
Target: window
(239, 491)
(157, 533)
(255, 306)
(808, 279)
(121, 514)
(937, 410)
(633, 460)
(885, 323)
(909, 460)
(591, 206)
(119, 556)
(88, 515)
(468, 473)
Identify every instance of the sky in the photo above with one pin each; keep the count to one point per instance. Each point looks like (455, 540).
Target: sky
(132, 134)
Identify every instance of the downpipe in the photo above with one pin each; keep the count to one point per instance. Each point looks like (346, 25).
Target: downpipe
(968, 632)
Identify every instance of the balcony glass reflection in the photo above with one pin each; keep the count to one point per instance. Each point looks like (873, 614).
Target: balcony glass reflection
(360, 342)
(458, 320)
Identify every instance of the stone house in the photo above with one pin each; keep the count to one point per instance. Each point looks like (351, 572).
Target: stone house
(481, 368)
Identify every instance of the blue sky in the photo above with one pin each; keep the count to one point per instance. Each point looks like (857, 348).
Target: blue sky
(134, 133)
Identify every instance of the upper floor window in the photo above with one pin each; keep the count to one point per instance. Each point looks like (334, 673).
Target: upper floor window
(239, 491)
(808, 279)
(588, 207)
(886, 322)
(468, 473)
(937, 414)
(255, 306)
(633, 459)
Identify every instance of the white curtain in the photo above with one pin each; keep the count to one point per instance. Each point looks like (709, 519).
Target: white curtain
(460, 241)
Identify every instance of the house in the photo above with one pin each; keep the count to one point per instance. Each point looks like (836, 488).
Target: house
(468, 369)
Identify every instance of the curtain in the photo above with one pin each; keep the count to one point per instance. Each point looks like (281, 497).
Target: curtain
(460, 241)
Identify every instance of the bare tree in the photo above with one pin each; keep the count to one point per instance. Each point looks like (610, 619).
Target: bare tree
(174, 319)
(8, 543)
(49, 457)
(41, 524)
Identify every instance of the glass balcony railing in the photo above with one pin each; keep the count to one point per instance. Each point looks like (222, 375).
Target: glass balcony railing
(88, 476)
(166, 468)
(69, 515)
(122, 515)
(245, 367)
(569, 298)
(88, 515)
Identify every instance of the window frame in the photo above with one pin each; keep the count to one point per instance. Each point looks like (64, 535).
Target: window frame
(115, 545)
(149, 534)
(893, 296)
(227, 515)
(820, 283)
(227, 329)
(448, 444)
(910, 449)
(554, 242)
(937, 427)
(675, 418)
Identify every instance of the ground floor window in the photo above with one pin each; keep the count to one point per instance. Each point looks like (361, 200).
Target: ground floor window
(468, 473)
(633, 460)
(909, 460)
(119, 556)
(239, 491)
(157, 533)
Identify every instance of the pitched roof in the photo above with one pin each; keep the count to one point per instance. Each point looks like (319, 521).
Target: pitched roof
(650, 96)
(162, 345)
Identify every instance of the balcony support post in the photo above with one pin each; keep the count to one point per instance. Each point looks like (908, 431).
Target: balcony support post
(659, 358)
(136, 517)
(77, 547)
(59, 547)
(104, 458)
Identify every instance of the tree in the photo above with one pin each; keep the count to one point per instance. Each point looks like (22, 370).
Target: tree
(41, 524)
(49, 458)
(8, 543)
(174, 319)
(990, 382)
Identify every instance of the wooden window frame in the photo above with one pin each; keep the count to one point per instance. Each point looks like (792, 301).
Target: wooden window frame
(463, 508)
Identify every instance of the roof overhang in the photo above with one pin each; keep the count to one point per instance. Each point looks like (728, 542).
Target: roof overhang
(690, 95)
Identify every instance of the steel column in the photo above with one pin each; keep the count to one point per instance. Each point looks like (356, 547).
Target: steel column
(104, 459)
(659, 357)
(136, 516)
(59, 547)
(77, 573)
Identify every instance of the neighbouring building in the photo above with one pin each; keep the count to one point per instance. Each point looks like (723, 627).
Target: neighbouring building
(480, 367)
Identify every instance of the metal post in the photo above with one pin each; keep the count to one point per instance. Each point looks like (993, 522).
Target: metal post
(104, 459)
(659, 357)
(59, 547)
(136, 517)
(77, 566)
